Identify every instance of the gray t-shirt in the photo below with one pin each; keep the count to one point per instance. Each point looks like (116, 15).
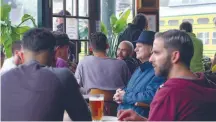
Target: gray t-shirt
(101, 73)
(33, 92)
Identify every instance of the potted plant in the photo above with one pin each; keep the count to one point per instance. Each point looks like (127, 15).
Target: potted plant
(10, 33)
(117, 26)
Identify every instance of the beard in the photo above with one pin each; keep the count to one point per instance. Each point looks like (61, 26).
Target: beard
(164, 69)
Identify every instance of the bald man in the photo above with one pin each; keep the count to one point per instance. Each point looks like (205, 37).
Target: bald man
(125, 52)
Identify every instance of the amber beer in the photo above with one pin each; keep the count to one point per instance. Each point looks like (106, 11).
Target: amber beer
(96, 103)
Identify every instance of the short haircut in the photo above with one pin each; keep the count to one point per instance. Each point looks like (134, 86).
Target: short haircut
(16, 45)
(186, 26)
(140, 21)
(98, 41)
(129, 44)
(62, 38)
(62, 12)
(38, 39)
(178, 40)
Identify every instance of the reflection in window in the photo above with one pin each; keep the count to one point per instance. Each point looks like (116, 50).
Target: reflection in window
(214, 38)
(173, 22)
(83, 8)
(188, 20)
(204, 36)
(162, 23)
(21, 7)
(84, 50)
(203, 21)
(83, 29)
(122, 5)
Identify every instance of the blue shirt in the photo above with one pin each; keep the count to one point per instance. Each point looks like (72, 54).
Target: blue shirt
(141, 88)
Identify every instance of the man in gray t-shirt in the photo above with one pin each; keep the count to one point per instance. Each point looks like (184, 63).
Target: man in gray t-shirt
(100, 71)
(34, 92)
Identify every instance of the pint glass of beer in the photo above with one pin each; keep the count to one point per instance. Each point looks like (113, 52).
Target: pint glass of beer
(96, 103)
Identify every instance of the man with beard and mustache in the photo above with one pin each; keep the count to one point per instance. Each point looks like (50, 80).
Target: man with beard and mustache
(143, 83)
(185, 96)
(125, 52)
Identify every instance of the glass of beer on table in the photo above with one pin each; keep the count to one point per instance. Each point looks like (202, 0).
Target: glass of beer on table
(96, 103)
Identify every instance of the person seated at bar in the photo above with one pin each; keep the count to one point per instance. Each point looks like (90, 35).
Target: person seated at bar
(62, 51)
(143, 83)
(36, 92)
(196, 62)
(185, 96)
(99, 71)
(125, 52)
(15, 60)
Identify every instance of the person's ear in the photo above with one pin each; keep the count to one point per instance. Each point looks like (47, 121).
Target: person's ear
(20, 55)
(175, 57)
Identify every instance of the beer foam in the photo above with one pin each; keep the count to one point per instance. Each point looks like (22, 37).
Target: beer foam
(96, 97)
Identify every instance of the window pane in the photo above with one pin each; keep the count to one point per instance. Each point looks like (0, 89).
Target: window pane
(214, 38)
(214, 20)
(173, 22)
(84, 50)
(71, 7)
(57, 6)
(162, 23)
(21, 7)
(72, 28)
(214, 41)
(185, 1)
(83, 8)
(200, 35)
(188, 20)
(58, 24)
(203, 21)
(214, 34)
(206, 38)
(83, 29)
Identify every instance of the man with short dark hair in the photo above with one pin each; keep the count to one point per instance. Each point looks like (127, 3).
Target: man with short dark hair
(15, 60)
(196, 62)
(61, 49)
(185, 96)
(99, 71)
(35, 92)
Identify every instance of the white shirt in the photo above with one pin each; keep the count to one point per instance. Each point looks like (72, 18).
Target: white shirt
(8, 65)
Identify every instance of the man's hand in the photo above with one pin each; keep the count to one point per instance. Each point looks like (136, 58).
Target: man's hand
(118, 97)
(129, 115)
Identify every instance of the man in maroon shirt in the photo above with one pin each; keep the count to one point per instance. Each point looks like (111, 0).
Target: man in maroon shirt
(185, 96)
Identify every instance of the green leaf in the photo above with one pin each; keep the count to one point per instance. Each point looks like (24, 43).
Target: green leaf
(121, 23)
(8, 46)
(15, 35)
(125, 14)
(21, 30)
(5, 10)
(119, 26)
(113, 20)
(103, 28)
(27, 17)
